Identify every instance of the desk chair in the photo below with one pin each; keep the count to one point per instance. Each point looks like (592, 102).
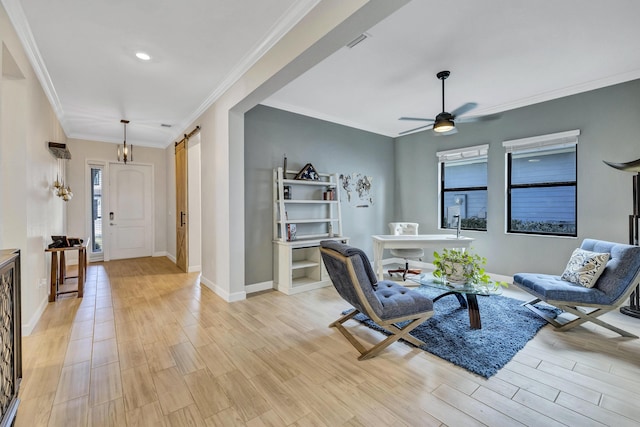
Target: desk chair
(400, 229)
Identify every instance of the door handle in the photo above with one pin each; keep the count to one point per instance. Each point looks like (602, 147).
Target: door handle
(182, 219)
(113, 223)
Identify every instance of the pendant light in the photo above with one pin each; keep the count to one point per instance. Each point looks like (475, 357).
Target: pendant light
(124, 151)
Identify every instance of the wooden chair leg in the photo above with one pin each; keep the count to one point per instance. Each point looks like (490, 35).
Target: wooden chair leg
(582, 316)
(396, 334)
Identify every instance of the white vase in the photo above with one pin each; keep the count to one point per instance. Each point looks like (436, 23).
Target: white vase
(456, 274)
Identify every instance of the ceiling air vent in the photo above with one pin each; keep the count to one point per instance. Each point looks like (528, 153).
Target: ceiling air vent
(362, 37)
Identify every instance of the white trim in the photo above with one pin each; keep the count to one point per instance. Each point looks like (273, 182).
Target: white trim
(14, 10)
(171, 257)
(556, 140)
(19, 20)
(295, 13)
(464, 153)
(156, 254)
(194, 269)
(222, 293)
(28, 327)
(259, 287)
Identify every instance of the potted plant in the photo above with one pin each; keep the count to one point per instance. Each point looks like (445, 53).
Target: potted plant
(458, 266)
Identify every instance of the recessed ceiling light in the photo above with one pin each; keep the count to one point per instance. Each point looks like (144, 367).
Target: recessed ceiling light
(143, 56)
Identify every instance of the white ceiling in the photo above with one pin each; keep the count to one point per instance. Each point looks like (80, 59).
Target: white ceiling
(502, 54)
(84, 55)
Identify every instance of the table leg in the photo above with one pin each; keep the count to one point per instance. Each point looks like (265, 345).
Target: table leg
(53, 279)
(62, 272)
(81, 270)
(460, 298)
(474, 312)
(378, 249)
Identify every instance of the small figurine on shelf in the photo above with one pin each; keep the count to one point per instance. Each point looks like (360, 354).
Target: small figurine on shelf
(330, 230)
(291, 232)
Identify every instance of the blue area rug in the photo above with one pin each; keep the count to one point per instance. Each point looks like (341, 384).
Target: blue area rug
(506, 328)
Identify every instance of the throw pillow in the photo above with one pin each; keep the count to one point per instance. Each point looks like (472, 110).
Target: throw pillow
(585, 267)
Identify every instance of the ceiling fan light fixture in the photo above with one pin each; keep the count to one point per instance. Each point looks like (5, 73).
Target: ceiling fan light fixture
(444, 125)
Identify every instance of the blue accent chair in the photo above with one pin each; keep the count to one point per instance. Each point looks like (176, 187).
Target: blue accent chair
(618, 280)
(385, 302)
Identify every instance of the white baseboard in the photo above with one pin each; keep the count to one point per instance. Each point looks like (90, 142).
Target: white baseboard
(28, 327)
(171, 258)
(193, 268)
(160, 253)
(258, 287)
(237, 296)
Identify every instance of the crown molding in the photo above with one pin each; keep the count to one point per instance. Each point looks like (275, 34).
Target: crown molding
(563, 92)
(295, 13)
(19, 20)
(326, 117)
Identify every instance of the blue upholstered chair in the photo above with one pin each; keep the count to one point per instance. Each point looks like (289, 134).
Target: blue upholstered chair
(618, 280)
(385, 302)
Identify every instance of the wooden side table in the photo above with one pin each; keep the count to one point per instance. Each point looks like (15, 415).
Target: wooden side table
(59, 269)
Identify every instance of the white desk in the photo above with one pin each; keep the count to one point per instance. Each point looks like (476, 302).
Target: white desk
(425, 241)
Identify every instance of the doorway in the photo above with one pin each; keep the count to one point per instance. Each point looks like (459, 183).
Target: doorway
(188, 203)
(130, 215)
(182, 204)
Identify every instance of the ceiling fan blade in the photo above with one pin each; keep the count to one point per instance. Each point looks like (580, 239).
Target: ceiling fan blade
(415, 129)
(486, 118)
(464, 109)
(418, 119)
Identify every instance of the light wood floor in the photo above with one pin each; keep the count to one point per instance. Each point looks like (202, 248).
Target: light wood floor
(149, 346)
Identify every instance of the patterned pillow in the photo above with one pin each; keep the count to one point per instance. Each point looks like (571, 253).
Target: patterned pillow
(585, 267)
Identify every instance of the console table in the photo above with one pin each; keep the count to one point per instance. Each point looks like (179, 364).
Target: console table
(59, 269)
(420, 241)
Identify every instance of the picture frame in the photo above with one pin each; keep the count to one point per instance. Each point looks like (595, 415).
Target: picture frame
(308, 172)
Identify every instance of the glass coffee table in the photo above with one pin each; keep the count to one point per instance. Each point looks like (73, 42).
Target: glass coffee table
(465, 293)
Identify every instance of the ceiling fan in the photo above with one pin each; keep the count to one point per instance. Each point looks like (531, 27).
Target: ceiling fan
(445, 123)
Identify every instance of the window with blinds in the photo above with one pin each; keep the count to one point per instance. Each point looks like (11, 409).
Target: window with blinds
(463, 187)
(542, 184)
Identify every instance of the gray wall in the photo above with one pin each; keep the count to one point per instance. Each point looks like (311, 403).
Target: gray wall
(609, 122)
(269, 133)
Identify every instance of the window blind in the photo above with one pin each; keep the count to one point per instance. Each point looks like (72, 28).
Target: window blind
(543, 142)
(466, 153)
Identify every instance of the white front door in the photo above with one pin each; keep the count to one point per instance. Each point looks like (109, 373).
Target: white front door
(130, 214)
